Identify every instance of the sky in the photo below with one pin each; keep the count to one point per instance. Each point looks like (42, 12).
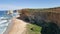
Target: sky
(20, 4)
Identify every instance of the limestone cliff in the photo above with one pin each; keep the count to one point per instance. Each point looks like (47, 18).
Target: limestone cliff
(48, 19)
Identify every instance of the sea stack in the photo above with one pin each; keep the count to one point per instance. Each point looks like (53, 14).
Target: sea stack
(10, 12)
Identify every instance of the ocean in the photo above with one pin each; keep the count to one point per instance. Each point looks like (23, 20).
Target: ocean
(5, 20)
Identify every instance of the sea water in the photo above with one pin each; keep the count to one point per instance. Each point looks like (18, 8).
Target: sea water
(5, 20)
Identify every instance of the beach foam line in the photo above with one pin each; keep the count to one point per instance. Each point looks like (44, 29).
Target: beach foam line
(3, 21)
(8, 28)
(16, 25)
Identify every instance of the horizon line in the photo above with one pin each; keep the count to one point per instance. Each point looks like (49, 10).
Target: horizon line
(28, 8)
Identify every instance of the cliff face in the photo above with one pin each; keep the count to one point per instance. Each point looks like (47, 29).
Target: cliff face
(55, 17)
(48, 19)
(37, 15)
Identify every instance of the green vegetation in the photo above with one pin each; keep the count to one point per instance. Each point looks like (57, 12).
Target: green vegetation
(49, 28)
(33, 29)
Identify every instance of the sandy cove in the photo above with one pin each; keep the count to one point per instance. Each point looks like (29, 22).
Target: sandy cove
(16, 27)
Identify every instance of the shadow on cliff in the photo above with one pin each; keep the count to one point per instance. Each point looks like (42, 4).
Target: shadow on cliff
(47, 27)
(38, 17)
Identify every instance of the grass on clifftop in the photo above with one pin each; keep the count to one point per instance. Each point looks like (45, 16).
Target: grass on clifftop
(33, 29)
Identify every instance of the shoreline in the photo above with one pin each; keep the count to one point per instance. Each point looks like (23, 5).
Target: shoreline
(10, 25)
(8, 28)
(16, 25)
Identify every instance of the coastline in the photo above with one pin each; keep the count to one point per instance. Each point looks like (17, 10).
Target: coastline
(10, 25)
(8, 28)
(16, 27)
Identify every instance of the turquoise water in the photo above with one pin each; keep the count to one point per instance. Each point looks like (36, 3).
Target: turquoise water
(5, 20)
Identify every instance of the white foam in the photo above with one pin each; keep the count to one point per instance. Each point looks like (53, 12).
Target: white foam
(1, 17)
(3, 21)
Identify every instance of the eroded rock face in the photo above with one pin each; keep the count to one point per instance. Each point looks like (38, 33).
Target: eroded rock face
(46, 16)
(51, 14)
(48, 19)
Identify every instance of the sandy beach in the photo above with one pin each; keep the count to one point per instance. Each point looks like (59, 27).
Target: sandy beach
(16, 27)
